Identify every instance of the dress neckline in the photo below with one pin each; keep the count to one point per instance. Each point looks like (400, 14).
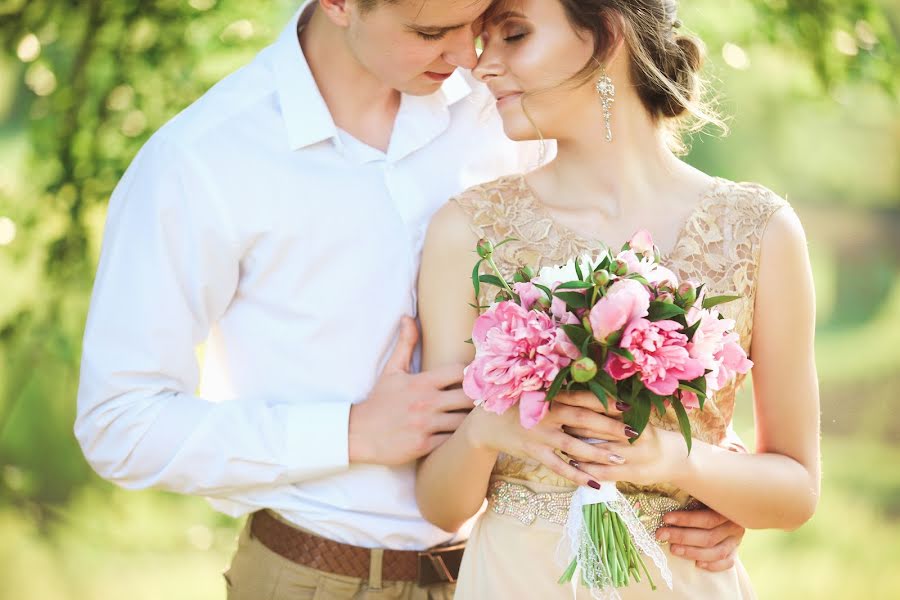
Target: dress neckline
(581, 240)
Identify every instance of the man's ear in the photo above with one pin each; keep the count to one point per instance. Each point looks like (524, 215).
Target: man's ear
(338, 11)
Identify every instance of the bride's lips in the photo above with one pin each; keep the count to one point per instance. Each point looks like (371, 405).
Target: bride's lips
(505, 98)
(438, 76)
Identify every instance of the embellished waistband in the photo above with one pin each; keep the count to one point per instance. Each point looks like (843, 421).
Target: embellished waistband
(526, 505)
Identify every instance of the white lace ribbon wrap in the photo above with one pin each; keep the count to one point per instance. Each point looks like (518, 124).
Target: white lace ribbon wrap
(576, 542)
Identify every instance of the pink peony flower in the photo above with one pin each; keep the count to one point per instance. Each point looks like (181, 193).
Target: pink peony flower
(689, 400)
(625, 301)
(528, 294)
(660, 356)
(642, 242)
(648, 269)
(734, 361)
(559, 311)
(715, 345)
(532, 408)
(516, 351)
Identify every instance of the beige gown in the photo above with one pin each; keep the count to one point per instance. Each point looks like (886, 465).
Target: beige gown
(510, 554)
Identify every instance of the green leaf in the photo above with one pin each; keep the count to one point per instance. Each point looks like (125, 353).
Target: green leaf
(699, 384)
(575, 285)
(638, 415)
(660, 311)
(658, 403)
(573, 299)
(690, 331)
(585, 344)
(717, 300)
(604, 263)
(576, 333)
(604, 380)
(492, 280)
(636, 388)
(600, 392)
(544, 289)
(683, 422)
(578, 268)
(639, 278)
(475, 281)
(557, 383)
(623, 353)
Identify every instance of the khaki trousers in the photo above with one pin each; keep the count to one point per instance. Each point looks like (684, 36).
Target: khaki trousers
(257, 573)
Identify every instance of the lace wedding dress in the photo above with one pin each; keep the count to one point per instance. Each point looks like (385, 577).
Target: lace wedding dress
(511, 552)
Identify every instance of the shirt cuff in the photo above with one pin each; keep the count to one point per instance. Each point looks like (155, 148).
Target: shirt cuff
(318, 439)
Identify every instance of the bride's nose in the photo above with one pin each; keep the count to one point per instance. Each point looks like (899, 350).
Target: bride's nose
(488, 66)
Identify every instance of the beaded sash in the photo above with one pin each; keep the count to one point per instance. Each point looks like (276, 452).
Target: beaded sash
(527, 506)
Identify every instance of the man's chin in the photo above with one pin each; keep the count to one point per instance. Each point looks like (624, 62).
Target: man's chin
(421, 87)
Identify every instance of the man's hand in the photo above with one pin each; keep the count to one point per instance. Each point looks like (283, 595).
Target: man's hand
(704, 536)
(406, 416)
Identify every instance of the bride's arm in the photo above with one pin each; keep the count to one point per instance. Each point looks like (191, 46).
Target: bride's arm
(778, 485)
(452, 482)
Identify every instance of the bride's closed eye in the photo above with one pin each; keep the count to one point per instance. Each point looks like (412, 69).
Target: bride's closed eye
(513, 34)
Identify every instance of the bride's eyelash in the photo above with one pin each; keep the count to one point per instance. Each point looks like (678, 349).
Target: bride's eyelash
(514, 38)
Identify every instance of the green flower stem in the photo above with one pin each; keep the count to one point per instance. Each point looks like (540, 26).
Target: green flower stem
(490, 261)
(611, 540)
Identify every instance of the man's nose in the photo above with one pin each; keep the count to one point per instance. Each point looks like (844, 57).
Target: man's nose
(461, 53)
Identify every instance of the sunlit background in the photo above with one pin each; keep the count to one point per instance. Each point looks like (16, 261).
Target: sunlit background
(811, 92)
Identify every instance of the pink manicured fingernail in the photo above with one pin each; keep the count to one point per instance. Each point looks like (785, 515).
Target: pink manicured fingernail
(677, 550)
(702, 565)
(663, 536)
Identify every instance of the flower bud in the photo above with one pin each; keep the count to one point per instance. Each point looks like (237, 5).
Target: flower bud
(485, 248)
(665, 288)
(666, 297)
(601, 278)
(584, 369)
(620, 267)
(687, 293)
(524, 274)
(502, 296)
(586, 323)
(544, 302)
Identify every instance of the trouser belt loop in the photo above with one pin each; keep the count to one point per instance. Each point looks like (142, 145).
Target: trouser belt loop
(376, 560)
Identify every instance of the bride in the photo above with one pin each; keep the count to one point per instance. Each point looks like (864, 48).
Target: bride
(613, 82)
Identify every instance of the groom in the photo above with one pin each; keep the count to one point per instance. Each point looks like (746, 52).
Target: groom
(280, 219)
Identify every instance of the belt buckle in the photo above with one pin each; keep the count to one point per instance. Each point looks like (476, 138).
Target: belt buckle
(433, 569)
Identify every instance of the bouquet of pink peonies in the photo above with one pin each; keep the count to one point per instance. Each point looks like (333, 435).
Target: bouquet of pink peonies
(623, 327)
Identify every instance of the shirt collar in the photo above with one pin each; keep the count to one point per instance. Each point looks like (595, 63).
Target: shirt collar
(306, 116)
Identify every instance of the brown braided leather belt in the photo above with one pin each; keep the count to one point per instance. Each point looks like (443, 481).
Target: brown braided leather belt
(438, 565)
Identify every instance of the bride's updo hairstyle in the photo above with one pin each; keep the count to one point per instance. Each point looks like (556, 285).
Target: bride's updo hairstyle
(665, 63)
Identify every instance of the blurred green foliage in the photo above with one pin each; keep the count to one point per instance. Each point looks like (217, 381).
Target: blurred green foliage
(811, 90)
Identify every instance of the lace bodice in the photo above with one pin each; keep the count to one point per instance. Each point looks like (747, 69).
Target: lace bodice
(718, 246)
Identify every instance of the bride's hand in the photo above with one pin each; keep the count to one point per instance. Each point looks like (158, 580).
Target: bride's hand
(571, 414)
(657, 456)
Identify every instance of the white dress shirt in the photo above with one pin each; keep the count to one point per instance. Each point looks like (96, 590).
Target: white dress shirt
(252, 223)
